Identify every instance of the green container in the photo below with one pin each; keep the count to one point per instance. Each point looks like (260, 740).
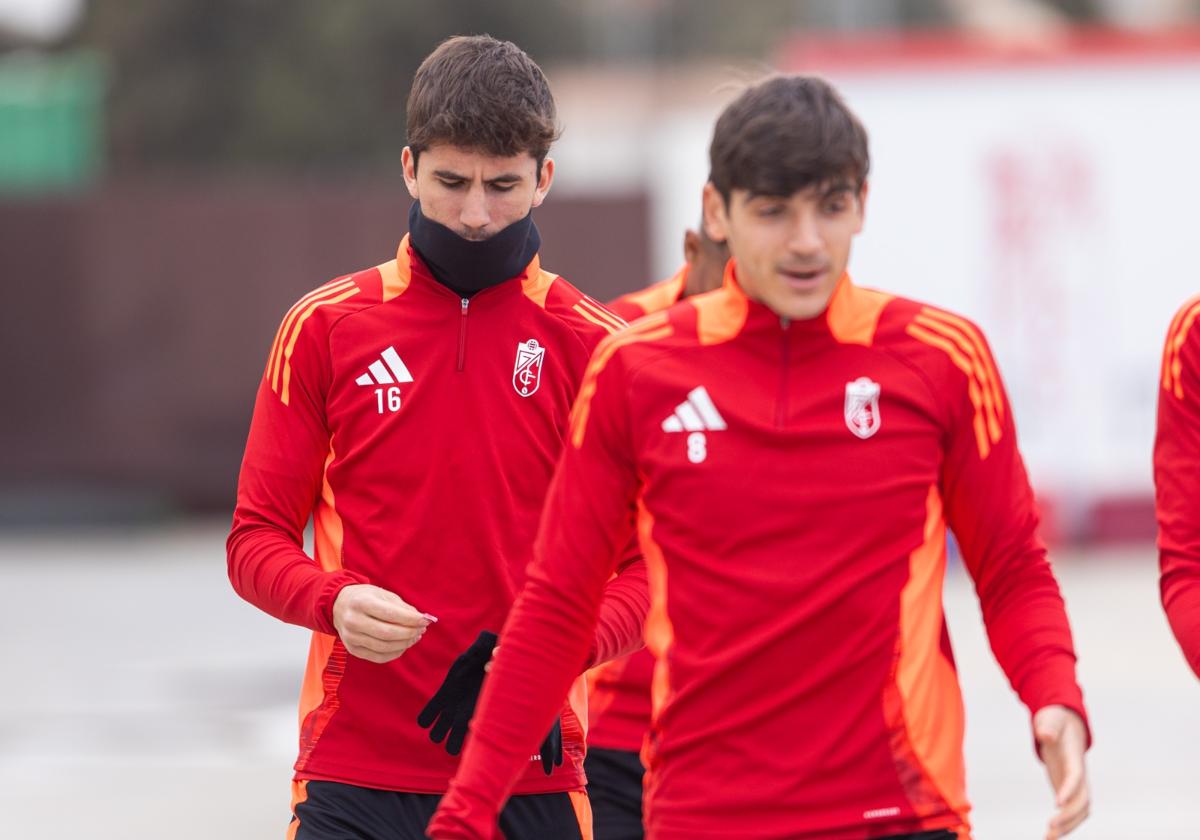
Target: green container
(51, 131)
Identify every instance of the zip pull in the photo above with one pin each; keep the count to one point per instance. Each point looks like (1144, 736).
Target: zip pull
(462, 335)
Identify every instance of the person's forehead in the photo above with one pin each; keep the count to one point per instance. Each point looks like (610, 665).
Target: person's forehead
(472, 162)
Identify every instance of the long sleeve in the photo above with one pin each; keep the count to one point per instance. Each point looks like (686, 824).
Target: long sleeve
(279, 484)
(623, 609)
(990, 508)
(545, 642)
(1177, 482)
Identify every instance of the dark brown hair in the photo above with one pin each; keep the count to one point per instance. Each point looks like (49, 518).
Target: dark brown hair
(477, 92)
(785, 134)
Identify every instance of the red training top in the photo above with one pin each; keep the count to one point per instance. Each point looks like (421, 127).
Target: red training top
(794, 482)
(420, 431)
(1177, 480)
(619, 691)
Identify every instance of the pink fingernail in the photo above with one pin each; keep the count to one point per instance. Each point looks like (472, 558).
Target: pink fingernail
(430, 618)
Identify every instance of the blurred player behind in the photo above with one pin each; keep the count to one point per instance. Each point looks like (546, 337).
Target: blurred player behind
(1177, 479)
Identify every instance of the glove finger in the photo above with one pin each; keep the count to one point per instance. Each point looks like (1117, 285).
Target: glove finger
(442, 727)
(433, 708)
(458, 734)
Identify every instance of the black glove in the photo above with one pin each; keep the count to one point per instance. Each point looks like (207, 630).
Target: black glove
(552, 749)
(450, 709)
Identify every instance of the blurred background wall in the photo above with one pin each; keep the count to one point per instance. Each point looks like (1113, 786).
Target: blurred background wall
(174, 174)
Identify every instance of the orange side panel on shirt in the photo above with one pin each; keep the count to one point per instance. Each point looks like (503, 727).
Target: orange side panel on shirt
(583, 812)
(922, 703)
(326, 654)
(659, 632)
(299, 794)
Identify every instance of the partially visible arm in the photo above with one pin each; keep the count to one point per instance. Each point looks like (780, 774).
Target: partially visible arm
(991, 509)
(623, 609)
(550, 630)
(1177, 483)
(279, 484)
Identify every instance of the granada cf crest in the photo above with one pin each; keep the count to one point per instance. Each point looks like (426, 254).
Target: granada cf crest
(527, 373)
(862, 407)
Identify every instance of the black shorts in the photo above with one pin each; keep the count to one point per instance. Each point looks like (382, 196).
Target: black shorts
(335, 811)
(615, 791)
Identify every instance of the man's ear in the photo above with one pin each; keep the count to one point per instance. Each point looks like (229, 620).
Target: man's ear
(716, 215)
(545, 179)
(408, 162)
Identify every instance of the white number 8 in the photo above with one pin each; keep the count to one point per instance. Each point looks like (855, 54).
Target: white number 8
(697, 447)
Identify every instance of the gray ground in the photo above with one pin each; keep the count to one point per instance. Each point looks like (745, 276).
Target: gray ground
(142, 699)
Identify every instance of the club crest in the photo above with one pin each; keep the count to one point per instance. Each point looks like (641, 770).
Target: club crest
(862, 407)
(527, 372)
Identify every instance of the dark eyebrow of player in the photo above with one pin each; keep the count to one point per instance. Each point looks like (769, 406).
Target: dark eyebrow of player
(507, 179)
(447, 175)
(835, 188)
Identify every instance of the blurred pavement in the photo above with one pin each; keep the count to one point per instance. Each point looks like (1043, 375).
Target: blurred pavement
(142, 699)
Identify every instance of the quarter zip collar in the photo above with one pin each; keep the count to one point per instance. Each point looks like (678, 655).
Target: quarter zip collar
(465, 266)
(761, 317)
(420, 273)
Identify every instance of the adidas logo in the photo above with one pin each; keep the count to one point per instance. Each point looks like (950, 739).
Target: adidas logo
(388, 369)
(695, 414)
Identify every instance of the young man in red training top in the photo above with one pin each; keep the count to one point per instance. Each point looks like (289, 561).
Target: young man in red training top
(796, 446)
(415, 411)
(1177, 480)
(619, 706)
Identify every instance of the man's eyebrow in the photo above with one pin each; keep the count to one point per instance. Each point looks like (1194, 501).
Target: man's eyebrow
(506, 178)
(836, 187)
(447, 175)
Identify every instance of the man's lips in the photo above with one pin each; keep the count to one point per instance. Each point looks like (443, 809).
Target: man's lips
(803, 276)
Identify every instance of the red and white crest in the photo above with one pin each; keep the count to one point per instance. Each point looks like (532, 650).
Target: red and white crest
(862, 407)
(527, 372)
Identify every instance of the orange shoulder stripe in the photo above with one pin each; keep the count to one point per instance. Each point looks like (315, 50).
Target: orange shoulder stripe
(285, 328)
(649, 328)
(976, 338)
(660, 295)
(291, 344)
(613, 319)
(854, 313)
(989, 391)
(1176, 338)
(987, 430)
(603, 324)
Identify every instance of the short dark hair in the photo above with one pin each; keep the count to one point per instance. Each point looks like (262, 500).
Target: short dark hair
(477, 92)
(785, 134)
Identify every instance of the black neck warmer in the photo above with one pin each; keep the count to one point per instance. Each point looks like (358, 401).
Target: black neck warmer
(466, 266)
